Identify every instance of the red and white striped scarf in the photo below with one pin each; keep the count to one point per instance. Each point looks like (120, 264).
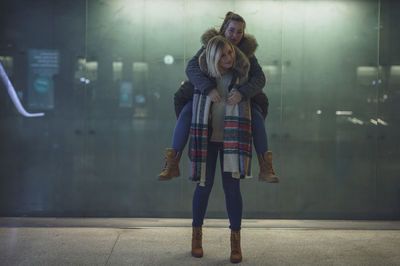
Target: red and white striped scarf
(237, 138)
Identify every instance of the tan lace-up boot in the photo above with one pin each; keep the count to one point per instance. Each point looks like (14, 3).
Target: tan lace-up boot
(171, 168)
(266, 172)
(236, 251)
(197, 249)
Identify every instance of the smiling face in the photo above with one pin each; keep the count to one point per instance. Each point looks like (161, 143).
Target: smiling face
(234, 32)
(226, 60)
(220, 56)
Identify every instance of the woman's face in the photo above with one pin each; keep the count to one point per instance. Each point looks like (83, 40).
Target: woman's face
(226, 60)
(234, 32)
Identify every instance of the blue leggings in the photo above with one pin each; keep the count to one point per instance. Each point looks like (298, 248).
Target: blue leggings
(182, 128)
(233, 197)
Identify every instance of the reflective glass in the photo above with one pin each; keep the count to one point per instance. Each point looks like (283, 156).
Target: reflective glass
(104, 74)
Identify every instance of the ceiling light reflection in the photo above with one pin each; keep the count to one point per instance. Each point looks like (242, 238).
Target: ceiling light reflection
(344, 112)
(380, 121)
(355, 120)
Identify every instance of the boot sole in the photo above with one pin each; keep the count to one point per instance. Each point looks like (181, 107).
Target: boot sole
(197, 255)
(166, 178)
(269, 180)
(236, 261)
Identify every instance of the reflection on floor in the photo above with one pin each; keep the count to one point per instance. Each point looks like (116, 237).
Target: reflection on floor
(96, 241)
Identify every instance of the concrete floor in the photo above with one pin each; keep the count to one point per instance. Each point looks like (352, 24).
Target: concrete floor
(70, 241)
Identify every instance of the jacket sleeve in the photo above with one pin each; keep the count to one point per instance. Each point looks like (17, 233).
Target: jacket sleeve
(256, 80)
(199, 79)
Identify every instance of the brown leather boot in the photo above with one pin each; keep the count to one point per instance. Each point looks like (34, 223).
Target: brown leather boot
(236, 251)
(197, 249)
(171, 168)
(266, 172)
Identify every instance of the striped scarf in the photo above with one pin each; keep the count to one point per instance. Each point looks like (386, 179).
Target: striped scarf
(237, 138)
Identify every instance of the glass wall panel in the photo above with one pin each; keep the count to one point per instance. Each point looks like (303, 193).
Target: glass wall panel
(387, 119)
(104, 74)
(323, 145)
(38, 168)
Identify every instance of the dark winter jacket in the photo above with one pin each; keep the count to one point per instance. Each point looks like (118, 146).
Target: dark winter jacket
(183, 96)
(252, 89)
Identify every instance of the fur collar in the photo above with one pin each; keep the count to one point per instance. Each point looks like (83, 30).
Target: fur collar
(241, 66)
(247, 45)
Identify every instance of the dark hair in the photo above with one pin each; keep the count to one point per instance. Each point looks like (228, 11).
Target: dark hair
(228, 17)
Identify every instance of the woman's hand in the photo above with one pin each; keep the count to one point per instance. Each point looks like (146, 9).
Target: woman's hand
(234, 97)
(214, 96)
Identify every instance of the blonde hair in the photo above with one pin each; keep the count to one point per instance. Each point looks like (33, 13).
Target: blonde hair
(214, 53)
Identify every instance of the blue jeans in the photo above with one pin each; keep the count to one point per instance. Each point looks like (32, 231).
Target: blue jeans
(182, 129)
(233, 197)
(259, 131)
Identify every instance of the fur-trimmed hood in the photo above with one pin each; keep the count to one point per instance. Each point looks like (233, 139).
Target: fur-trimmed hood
(247, 45)
(241, 63)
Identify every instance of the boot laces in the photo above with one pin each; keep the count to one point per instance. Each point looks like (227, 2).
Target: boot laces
(168, 165)
(235, 244)
(197, 236)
